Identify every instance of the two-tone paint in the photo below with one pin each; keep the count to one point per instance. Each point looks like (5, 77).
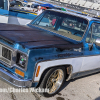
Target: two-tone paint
(47, 49)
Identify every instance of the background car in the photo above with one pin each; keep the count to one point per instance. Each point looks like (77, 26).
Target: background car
(16, 3)
(29, 6)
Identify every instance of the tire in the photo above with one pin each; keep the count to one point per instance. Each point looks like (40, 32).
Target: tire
(52, 77)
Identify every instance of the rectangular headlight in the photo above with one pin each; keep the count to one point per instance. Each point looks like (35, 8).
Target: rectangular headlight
(21, 59)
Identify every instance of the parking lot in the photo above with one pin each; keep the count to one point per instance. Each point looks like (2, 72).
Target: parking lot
(85, 88)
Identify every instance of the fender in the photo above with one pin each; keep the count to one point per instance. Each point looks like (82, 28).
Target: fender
(74, 62)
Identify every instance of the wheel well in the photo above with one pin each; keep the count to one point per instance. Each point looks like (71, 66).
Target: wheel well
(68, 69)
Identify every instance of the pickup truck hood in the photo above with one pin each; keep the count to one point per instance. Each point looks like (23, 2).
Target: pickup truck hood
(33, 37)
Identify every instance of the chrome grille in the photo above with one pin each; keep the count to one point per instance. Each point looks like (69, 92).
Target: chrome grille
(6, 53)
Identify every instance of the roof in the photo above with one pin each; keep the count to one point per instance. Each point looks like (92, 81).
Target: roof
(76, 14)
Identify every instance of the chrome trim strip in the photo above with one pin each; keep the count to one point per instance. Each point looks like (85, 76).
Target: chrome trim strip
(84, 73)
(12, 50)
(2, 58)
(13, 79)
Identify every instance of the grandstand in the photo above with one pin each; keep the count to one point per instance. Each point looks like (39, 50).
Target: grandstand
(79, 5)
(90, 7)
(91, 4)
(88, 4)
(96, 1)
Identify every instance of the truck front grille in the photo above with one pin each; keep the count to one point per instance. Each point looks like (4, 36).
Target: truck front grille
(6, 53)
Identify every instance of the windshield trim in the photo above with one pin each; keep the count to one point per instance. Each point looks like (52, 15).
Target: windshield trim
(31, 23)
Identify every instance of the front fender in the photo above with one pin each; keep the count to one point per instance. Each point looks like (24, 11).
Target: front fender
(74, 62)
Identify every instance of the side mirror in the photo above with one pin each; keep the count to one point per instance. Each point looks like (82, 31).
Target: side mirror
(97, 42)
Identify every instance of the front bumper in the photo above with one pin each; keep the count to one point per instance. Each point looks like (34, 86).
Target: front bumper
(13, 79)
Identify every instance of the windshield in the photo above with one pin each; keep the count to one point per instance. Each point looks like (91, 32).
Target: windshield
(63, 24)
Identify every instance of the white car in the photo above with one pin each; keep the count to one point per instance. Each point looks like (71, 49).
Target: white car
(29, 6)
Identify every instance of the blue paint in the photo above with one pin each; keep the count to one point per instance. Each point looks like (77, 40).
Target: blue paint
(20, 48)
(4, 12)
(22, 15)
(52, 53)
(17, 14)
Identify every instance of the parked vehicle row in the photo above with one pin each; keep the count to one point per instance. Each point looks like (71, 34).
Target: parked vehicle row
(14, 16)
(23, 5)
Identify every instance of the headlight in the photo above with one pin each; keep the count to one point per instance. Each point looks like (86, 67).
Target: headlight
(21, 60)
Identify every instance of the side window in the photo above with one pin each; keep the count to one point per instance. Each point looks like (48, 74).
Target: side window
(2, 4)
(94, 33)
(88, 38)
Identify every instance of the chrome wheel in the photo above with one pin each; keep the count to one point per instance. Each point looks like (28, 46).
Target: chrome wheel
(55, 81)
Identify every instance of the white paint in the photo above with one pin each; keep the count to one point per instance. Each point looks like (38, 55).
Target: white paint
(78, 64)
(14, 20)
(3, 19)
(18, 21)
(75, 62)
(26, 8)
(91, 62)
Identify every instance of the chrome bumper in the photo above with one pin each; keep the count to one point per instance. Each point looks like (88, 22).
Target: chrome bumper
(14, 80)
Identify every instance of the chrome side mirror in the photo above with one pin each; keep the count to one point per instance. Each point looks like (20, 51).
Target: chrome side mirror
(97, 42)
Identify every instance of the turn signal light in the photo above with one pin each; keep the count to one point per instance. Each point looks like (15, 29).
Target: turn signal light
(37, 73)
(19, 72)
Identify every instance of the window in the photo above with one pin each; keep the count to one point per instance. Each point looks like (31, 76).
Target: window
(1, 4)
(48, 20)
(62, 23)
(74, 23)
(88, 38)
(94, 33)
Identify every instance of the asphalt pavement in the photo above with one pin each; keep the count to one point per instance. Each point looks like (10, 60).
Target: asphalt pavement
(84, 88)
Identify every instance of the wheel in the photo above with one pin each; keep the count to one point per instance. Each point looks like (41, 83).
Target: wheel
(53, 80)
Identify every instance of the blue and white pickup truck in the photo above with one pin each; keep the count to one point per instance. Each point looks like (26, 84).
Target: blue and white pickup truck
(14, 16)
(54, 47)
